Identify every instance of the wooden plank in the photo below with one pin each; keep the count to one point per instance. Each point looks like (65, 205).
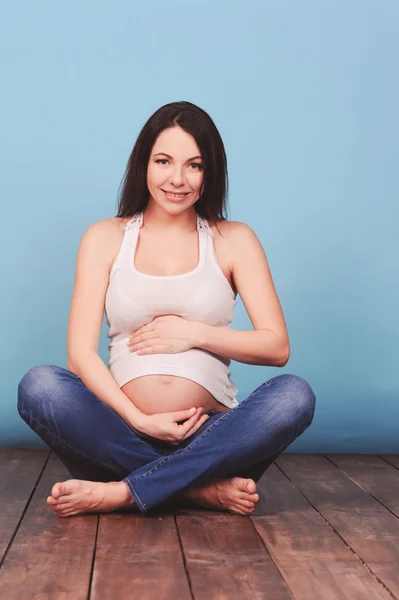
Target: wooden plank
(364, 524)
(225, 558)
(392, 459)
(139, 556)
(20, 470)
(377, 477)
(50, 557)
(312, 558)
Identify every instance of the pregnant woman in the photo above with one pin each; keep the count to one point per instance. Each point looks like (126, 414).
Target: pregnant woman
(162, 423)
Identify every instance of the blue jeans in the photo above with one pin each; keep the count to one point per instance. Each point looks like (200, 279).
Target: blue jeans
(95, 443)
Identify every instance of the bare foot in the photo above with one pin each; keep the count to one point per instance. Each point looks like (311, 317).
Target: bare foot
(235, 495)
(76, 497)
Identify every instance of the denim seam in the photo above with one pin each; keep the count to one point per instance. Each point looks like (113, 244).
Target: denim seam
(203, 434)
(111, 467)
(263, 385)
(82, 453)
(135, 495)
(183, 451)
(198, 438)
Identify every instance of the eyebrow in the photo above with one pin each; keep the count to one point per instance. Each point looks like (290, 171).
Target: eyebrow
(168, 155)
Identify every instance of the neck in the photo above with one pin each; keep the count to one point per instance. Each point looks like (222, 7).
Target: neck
(157, 220)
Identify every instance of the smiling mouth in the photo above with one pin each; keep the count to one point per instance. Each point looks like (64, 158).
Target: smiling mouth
(175, 195)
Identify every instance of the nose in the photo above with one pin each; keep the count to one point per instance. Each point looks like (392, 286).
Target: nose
(177, 178)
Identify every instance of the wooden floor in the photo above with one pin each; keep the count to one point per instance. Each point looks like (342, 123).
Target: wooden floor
(326, 527)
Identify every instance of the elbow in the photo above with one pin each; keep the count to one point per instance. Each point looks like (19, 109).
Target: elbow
(284, 362)
(283, 356)
(281, 353)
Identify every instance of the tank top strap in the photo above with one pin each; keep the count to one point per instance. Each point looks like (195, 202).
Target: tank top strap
(128, 240)
(131, 234)
(135, 221)
(203, 225)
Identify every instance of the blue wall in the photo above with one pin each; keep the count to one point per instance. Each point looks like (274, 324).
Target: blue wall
(305, 95)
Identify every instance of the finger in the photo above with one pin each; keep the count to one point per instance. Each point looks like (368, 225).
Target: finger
(182, 415)
(187, 425)
(196, 426)
(190, 420)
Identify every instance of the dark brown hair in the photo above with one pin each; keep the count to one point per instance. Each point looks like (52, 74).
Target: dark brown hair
(195, 121)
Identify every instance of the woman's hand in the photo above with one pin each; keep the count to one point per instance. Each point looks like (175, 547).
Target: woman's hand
(166, 334)
(166, 427)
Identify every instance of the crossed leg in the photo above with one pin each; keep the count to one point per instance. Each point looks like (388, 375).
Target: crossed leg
(57, 405)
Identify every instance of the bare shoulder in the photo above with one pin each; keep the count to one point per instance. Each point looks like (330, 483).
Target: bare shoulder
(233, 235)
(117, 224)
(108, 226)
(107, 234)
(230, 229)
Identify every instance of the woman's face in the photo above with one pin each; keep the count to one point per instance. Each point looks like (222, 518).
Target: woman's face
(175, 165)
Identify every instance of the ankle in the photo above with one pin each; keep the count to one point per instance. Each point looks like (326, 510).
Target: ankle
(188, 494)
(126, 495)
(191, 494)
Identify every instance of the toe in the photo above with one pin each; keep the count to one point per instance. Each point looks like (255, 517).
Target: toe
(63, 513)
(65, 489)
(57, 490)
(251, 497)
(240, 511)
(62, 506)
(247, 504)
(246, 496)
(250, 486)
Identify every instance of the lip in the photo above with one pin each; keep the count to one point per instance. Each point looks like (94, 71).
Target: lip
(170, 192)
(176, 199)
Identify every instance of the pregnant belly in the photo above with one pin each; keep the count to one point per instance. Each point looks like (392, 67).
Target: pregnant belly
(166, 393)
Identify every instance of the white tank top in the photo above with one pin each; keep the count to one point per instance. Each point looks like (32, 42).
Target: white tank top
(133, 299)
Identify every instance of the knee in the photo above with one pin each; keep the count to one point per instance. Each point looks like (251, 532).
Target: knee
(305, 399)
(35, 387)
(302, 398)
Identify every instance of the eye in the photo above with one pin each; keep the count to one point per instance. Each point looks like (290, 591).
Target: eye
(198, 166)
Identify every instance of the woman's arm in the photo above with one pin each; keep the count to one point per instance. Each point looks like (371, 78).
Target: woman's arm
(95, 375)
(93, 265)
(268, 344)
(260, 347)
